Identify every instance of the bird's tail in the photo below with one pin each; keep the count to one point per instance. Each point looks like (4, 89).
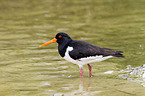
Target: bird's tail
(119, 54)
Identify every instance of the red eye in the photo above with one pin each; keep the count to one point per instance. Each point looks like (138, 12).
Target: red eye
(59, 36)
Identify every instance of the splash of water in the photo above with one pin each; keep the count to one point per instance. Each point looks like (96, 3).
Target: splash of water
(136, 74)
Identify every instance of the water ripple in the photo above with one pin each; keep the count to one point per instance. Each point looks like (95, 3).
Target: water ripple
(136, 74)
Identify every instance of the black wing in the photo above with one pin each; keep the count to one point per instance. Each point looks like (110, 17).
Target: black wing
(84, 49)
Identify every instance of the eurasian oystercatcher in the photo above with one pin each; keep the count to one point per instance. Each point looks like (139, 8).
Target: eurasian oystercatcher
(81, 52)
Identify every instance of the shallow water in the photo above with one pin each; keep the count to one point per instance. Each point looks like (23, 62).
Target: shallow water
(27, 70)
(136, 74)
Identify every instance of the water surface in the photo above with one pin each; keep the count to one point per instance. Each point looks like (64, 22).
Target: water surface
(27, 70)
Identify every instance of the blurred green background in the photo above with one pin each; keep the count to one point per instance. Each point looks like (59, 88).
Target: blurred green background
(27, 70)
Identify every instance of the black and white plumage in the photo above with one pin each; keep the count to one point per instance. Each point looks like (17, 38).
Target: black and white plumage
(81, 52)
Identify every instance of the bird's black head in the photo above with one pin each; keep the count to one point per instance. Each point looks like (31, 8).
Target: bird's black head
(62, 37)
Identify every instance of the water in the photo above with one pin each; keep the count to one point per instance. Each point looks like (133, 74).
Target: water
(136, 74)
(27, 70)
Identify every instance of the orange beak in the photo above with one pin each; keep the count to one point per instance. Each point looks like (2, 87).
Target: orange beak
(49, 42)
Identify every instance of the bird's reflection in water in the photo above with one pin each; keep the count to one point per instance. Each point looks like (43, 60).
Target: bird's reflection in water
(81, 90)
(81, 83)
(84, 88)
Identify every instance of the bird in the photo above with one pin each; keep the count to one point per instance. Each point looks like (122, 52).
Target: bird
(81, 52)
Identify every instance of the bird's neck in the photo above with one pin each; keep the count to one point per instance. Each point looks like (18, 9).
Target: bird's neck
(62, 47)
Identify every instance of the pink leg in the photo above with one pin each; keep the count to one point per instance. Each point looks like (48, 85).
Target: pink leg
(81, 72)
(90, 70)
